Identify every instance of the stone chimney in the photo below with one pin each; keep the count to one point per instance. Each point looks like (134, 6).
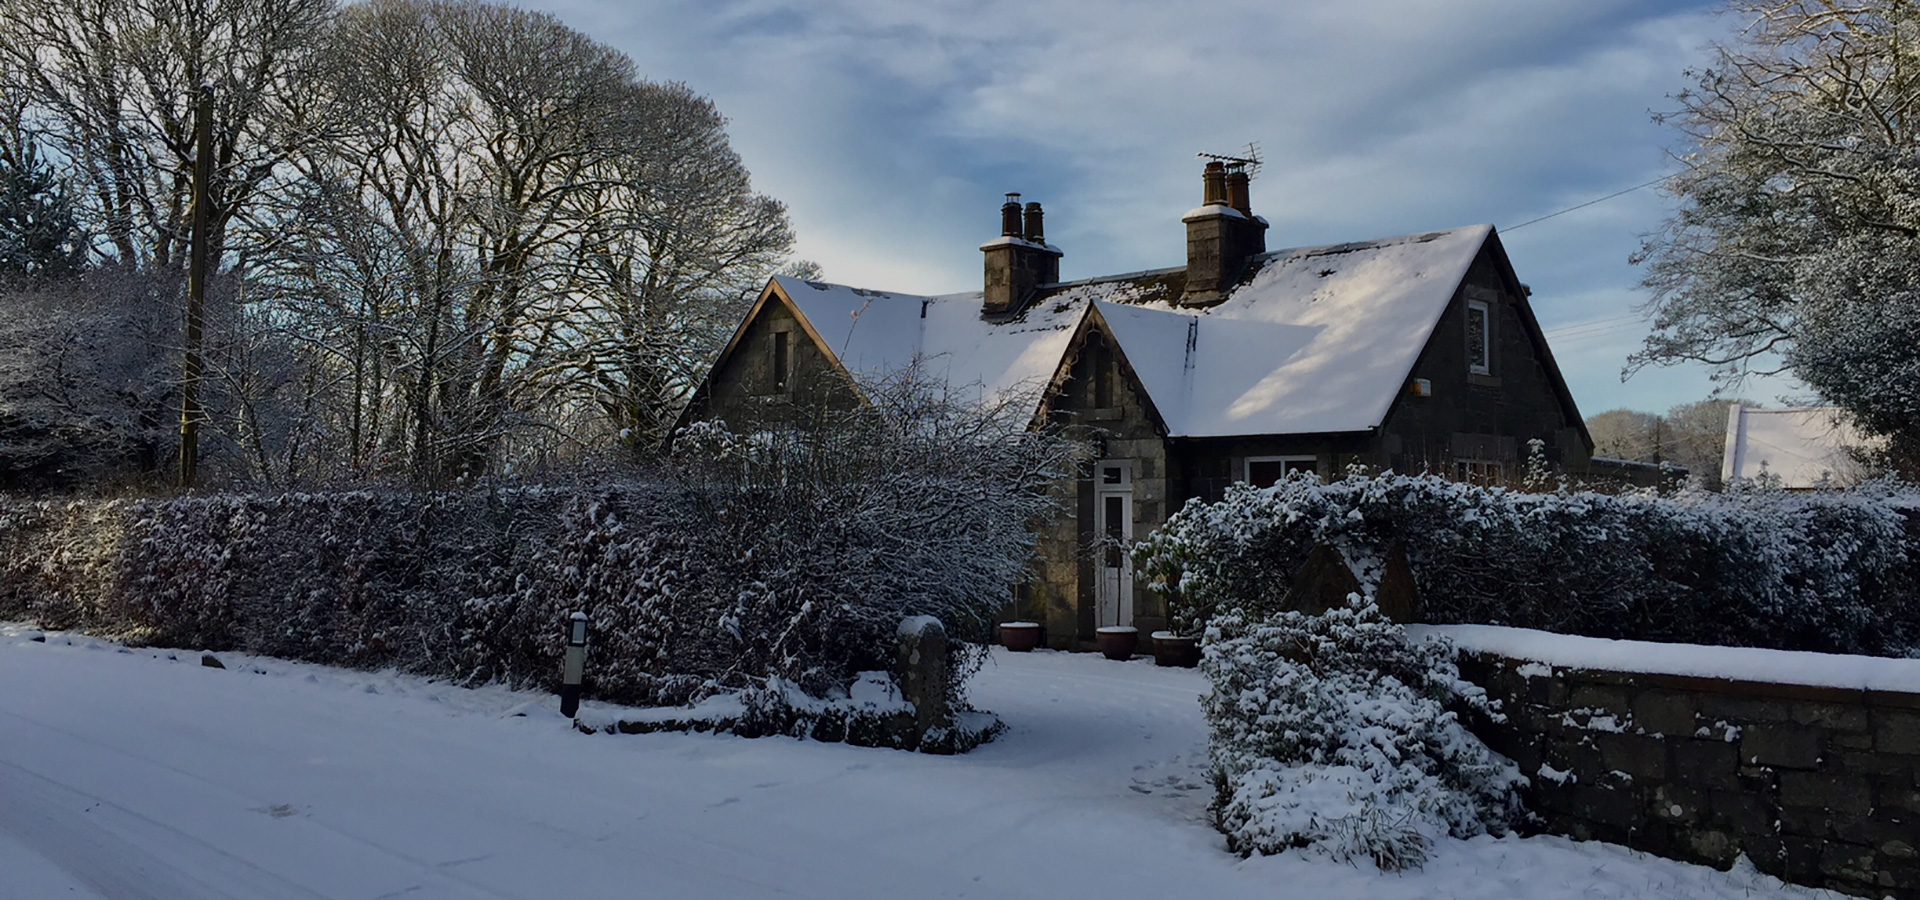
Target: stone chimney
(1222, 235)
(1019, 261)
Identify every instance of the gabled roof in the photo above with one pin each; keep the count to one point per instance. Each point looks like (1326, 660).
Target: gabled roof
(873, 334)
(1319, 339)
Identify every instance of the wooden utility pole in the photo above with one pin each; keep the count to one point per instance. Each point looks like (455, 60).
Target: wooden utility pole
(190, 413)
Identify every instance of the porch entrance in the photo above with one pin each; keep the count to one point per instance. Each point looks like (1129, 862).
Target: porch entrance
(1113, 532)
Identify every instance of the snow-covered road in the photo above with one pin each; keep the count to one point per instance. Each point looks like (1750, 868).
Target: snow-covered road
(129, 774)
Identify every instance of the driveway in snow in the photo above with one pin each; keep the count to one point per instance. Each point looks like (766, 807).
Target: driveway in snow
(141, 774)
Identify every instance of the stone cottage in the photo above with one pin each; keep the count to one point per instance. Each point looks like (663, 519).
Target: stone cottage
(1411, 353)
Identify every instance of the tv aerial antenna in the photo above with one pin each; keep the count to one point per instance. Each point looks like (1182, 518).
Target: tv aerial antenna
(1249, 162)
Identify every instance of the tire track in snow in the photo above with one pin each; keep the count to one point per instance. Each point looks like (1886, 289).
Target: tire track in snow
(86, 843)
(87, 837)
(130, 858)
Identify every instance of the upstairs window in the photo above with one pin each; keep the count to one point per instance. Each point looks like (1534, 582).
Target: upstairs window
(1479, 338)
(782, 358)
(1102, 362)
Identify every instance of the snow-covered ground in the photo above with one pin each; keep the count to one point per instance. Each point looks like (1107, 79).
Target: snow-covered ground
(143, 774)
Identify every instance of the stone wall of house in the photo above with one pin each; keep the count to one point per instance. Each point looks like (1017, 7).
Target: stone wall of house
(1815, 785)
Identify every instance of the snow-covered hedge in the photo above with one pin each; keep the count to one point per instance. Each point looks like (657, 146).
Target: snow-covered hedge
(689, 593)
(1333, 733)
(1830, 571)
(781, 557)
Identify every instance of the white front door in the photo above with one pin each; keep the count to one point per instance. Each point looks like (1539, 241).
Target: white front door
(1113, 533)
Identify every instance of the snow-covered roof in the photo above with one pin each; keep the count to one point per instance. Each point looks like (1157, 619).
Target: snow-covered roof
(1320, 339)
(1803, 447)
(874, 335)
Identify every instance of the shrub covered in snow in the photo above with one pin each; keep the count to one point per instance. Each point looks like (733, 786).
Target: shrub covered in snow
(872, 713)
(780, 557)
(1830, 571)
(1333, 733)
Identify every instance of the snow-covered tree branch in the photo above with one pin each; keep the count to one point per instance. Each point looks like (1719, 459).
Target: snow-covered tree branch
(1797, 242)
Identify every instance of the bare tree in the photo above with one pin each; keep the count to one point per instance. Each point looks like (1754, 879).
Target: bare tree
(452, 231)
(109, 85)
(1625, 434)
(682, 246)
(85, 395)
(1697, 439)
(512, 237)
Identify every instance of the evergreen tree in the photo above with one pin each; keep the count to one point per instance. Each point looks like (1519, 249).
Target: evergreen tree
(39, 234)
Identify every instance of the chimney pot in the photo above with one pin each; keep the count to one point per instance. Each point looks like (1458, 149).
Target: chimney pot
(1036, 229)
(1215, 179)
(1237, 191)
(1010, 216)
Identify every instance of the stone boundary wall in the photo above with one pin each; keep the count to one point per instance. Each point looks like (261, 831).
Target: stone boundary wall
(1815, 785)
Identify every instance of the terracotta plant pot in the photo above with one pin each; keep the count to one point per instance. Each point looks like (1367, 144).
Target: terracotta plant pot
(1118, 641)
(1020, 636)
(1169, 649)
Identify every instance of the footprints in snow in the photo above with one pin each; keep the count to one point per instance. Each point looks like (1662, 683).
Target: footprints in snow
(1184, 780)
(1171, 782)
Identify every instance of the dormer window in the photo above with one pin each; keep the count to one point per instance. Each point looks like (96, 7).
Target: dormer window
(1479, 338)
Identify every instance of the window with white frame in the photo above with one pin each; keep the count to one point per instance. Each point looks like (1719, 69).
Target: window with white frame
(1479, 338)
(1265, 471)
(1485, 472)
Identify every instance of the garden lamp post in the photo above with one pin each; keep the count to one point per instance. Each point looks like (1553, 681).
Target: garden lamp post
(576, 664)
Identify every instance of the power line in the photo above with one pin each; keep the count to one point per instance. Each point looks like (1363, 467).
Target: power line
(1589, 203)
(1593, 324)
(1596, 336)
(1616, 325)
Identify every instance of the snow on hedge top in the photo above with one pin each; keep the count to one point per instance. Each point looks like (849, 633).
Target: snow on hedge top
(1802, 447)
(1732, 663)
(1321, 339)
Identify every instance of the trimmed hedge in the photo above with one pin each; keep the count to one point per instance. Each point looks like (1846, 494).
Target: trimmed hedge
(784, 555)
(1830, 571)
(469, 586)
(692, 590)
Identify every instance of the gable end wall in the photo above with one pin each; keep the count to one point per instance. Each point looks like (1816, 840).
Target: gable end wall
(1486, 417)
(1122, 428)
(741, 389)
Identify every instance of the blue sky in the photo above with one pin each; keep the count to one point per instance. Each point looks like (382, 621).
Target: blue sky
(891, 129)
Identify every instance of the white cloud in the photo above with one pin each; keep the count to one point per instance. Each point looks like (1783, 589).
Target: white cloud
(891, 128)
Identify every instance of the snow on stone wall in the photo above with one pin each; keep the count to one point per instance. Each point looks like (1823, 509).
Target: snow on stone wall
(1817, 785)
